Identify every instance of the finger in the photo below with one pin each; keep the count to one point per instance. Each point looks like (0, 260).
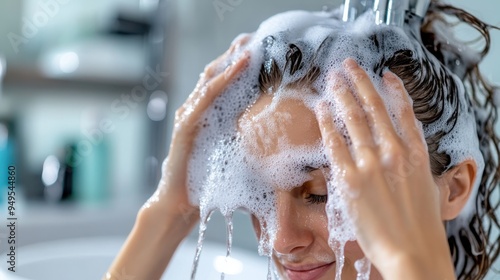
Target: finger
(371, 102)
(353, 116)
(211, 69)
(411, 131)
(408, 122)
(333, 140)
(239, 41)
(216, 86)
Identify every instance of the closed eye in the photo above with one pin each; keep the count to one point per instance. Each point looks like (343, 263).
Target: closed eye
(316, 199)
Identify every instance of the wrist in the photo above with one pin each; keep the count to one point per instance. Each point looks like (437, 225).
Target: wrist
(151, 244)
(411, 267)
(174, 222)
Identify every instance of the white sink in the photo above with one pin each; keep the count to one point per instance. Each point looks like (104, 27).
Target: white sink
(88, 258)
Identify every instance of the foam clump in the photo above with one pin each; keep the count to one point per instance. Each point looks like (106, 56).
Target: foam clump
(225, 174)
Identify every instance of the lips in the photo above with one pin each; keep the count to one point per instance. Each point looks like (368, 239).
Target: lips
(311, 272)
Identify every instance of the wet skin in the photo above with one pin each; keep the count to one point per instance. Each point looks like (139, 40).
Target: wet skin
(301, 249)
(399, 229)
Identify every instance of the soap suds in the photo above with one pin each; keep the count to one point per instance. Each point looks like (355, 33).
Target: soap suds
(224, 175)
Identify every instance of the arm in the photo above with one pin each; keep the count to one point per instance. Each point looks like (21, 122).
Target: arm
(389, 188)
(167, 217)
(151, 244)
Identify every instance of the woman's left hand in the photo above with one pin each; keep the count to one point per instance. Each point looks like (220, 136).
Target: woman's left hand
(388, 185)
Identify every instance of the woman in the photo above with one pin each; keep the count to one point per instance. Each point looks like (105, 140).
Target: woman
(401, 221)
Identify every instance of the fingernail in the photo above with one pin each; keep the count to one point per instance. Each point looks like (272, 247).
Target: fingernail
(227, 71)
(230, 68)
(390, 77)
(350, 64)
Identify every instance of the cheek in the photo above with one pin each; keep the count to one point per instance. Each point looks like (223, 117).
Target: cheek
(318, 221)
(353, 252)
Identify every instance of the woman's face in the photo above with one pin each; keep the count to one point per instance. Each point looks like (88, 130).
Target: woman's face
(301, 250)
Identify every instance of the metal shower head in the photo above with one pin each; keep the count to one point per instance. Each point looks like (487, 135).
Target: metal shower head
(390, 12)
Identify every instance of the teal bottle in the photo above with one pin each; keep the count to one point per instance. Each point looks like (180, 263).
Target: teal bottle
(6, 160)
(91, 174)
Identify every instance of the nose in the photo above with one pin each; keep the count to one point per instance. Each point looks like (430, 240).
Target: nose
(294, 233)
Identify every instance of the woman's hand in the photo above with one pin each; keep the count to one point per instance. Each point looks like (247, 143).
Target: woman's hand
(167, 217)
(388, 185)
(171, 198)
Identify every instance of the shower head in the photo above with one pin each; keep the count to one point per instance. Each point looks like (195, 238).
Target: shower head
(419, 7)
(390, 12)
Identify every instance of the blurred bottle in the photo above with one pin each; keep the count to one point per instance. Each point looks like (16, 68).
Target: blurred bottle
(79, 172)
(91, 160)
(6, 139)
(6, 156)
(57, 175)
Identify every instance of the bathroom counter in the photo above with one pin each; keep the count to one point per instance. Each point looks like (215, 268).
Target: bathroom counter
(42, 221)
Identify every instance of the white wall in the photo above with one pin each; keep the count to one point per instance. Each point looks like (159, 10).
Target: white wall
(487, 11)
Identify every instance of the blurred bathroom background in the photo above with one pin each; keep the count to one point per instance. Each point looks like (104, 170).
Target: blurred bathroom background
(88, 91)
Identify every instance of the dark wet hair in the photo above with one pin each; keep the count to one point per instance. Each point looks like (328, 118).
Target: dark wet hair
(474, 247)
(478, 240)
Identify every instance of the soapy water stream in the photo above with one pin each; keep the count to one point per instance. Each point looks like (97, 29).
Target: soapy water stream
(338, 249)
(363, 267)
(201, 237)
(229, 225)
(269, 268)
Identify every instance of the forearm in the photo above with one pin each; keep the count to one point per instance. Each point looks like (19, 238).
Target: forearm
(150, 245)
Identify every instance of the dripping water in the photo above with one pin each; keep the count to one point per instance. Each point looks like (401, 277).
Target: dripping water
(201, 237)
(363, 267)
(338, 248)
(269, 267)
(229, 242)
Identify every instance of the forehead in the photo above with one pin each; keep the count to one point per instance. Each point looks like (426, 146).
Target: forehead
(272, 124)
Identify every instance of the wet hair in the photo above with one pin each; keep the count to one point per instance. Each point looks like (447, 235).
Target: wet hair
(478, 240)
(474, 247)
